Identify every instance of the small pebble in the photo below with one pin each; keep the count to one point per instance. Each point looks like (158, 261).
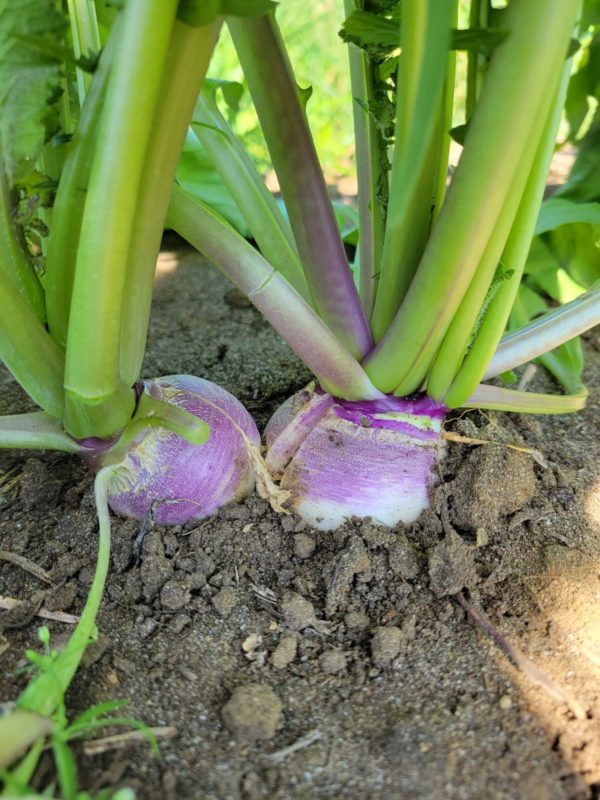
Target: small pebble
(304, 546)
(179, 622)
(224, 601)
(403, 559)
(252, 712)
(356, 621)
(298, 612)
(147, 628)
(385, 644)
(175, 594)
(251, 647)
(285, 652)
(505, 702)
(332, 662)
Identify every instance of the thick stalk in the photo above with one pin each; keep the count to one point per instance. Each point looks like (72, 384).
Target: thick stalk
(546, 332)
(291, 316)
(86, 38)
(521, 206)
(269, 228)
(69, 205)
(189, 53)
(500, 399)
(283, 120)
(28, 351)
(506, 115)
(513, 259)
(425, 38)
(36, 431)
(13, 258)
(368, 170)
(97, 401)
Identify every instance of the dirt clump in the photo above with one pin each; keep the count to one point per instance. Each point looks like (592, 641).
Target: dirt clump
(252, 712)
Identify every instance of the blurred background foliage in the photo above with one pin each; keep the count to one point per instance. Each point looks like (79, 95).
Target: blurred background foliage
(320, 60)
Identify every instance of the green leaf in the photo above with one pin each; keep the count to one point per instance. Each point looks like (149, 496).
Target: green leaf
(559, 211)
(372, 30)
(459, 133)
(577, 249)
(566, 361)
(347, 220)
(231, 91)
(93, 713)
(65, 767)
(478, 40)
(304, 95)
(197, 175)
(583, 184)
(363, 28)
(583, 87)
(29, 81)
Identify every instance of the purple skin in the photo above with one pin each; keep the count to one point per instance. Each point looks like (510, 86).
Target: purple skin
(341, 459)
(178, 481)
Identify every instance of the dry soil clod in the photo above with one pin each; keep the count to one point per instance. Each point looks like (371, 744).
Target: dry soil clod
(252, 712)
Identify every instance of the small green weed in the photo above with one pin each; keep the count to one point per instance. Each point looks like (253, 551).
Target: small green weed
(62, 735)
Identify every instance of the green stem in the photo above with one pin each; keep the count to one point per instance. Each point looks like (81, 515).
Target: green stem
(368, 167)
(514, 258)
(97, 401)
(187, 59)
(421, 75)
(46, 692)
(546, 332)
(264, 218)
(13, 258)
(37, 430)
(86, 38)
(500, 399)
(425, 38)
(506, 115)
(521, 204)
(28, 351)
(69, 205)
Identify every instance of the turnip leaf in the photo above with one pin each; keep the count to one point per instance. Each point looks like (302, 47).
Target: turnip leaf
(30, 81)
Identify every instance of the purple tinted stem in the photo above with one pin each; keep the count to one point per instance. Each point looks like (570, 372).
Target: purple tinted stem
(284, 124)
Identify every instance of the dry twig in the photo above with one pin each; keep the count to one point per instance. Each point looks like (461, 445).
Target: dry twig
(122, 740)
(26, 564)
(9, 603)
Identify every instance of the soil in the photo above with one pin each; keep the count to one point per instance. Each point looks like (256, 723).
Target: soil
(300, 664)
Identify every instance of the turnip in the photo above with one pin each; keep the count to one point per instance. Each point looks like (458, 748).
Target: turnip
(158, 472)
(341, 459)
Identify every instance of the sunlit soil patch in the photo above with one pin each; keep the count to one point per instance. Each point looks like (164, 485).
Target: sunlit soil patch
(167, 263)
